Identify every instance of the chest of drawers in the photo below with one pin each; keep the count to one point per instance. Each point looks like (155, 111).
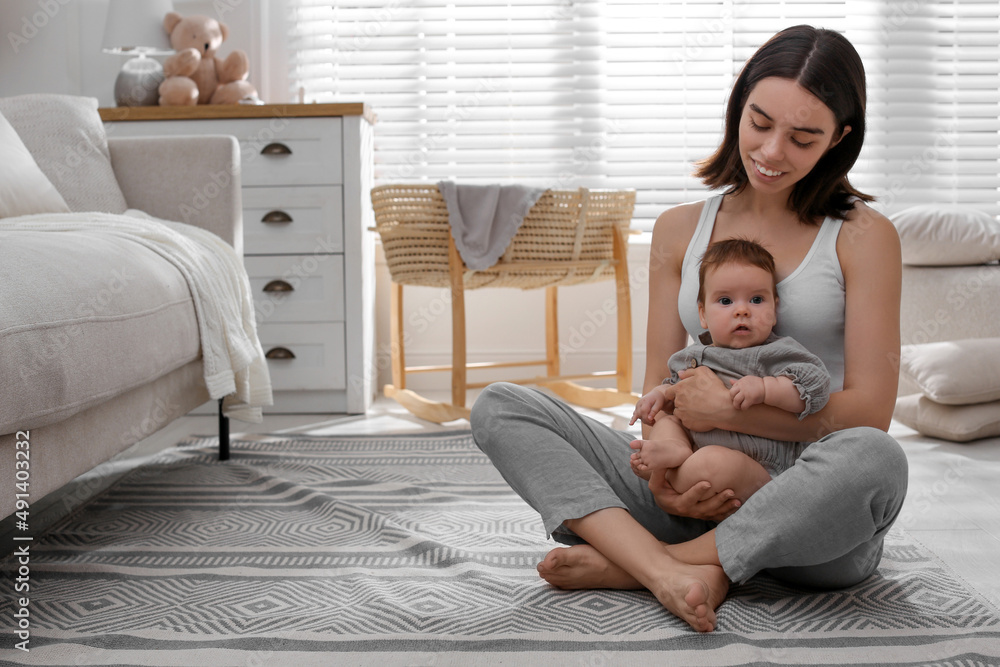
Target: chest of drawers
(306, 172)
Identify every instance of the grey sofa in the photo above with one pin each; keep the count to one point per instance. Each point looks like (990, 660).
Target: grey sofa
(110, 352)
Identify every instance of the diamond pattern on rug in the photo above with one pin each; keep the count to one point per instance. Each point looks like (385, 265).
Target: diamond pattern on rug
(415, 543)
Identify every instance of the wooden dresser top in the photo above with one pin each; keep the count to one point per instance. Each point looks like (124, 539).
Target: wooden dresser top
(213, 111)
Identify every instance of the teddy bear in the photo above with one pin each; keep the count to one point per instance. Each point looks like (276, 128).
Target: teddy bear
(195, 75)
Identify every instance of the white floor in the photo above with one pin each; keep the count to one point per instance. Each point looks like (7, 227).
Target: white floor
(953, 506)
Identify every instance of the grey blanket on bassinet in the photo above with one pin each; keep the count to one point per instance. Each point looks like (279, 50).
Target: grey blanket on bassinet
(484, 218)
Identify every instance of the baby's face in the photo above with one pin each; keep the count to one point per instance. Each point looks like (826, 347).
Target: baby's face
(740, 304)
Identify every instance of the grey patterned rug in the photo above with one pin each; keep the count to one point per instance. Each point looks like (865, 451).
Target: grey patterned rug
(411, 550)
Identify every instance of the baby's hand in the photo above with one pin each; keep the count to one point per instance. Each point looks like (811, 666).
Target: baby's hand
(647, 407)
(747, 392)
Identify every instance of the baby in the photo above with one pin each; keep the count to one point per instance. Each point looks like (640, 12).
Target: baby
(737, 303)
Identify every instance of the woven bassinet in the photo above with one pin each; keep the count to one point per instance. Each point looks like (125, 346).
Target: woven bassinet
(567, 238)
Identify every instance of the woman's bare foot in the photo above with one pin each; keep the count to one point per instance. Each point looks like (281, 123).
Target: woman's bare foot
(693, 593)
(690, 592)
(582, 566)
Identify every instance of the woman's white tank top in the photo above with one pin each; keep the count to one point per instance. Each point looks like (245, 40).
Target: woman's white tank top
(811, 298)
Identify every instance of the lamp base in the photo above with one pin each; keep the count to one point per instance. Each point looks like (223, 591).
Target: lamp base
(138, 84)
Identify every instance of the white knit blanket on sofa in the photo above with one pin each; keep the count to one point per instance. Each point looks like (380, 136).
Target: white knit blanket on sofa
(235, 367)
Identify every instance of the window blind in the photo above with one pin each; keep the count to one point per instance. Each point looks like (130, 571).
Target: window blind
(629, 94)
(934, 102)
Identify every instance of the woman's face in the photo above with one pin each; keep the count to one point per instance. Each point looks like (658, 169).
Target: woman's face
(784, 131)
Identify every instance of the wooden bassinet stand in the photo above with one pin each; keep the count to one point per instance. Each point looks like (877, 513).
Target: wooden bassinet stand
(568, 237)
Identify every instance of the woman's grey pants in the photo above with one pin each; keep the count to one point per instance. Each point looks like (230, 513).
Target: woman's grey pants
(820, 523)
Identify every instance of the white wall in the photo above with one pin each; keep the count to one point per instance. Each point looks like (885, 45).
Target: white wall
(54, 46)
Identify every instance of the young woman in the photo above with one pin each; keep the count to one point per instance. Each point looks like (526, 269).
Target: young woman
(795, 124)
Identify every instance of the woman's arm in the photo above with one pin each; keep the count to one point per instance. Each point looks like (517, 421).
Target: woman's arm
(870, 258)
(664, 332)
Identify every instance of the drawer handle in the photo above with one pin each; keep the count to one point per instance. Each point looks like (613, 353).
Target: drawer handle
(280, 353)
(275, 148)
(278, 286)
(272, 217)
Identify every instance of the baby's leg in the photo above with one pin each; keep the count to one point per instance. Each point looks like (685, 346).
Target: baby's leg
(725, 468)
(668, 445)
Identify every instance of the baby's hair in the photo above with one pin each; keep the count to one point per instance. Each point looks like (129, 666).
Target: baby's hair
(735, 251)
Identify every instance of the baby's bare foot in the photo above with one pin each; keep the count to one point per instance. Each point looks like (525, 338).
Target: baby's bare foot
(639, 468)
(649, 454)
(582, 566)
(635, 460)
(656, 454)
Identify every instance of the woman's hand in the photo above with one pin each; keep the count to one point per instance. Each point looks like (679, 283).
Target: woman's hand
(698, 502)
(701, 400)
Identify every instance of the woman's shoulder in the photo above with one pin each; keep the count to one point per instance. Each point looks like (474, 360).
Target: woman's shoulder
(868, 235)
(678, 223)
(690, 211)
(673, 231)
(865, 218)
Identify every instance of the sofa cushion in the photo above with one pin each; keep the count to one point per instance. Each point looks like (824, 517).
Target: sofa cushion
(65, 135)
(85, 317)
(959, 423)
(24, 189)
(947, 235)
(958, 372)
(942, 303)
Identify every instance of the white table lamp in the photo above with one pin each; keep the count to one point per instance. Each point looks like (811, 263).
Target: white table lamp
(135, 27)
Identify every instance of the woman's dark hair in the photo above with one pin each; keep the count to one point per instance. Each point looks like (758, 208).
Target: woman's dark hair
(827, 65)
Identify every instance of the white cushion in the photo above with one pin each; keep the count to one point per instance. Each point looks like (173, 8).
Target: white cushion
(24, 189)
(66, 137)
(940, 235)
(959, 423)
(954, 372)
